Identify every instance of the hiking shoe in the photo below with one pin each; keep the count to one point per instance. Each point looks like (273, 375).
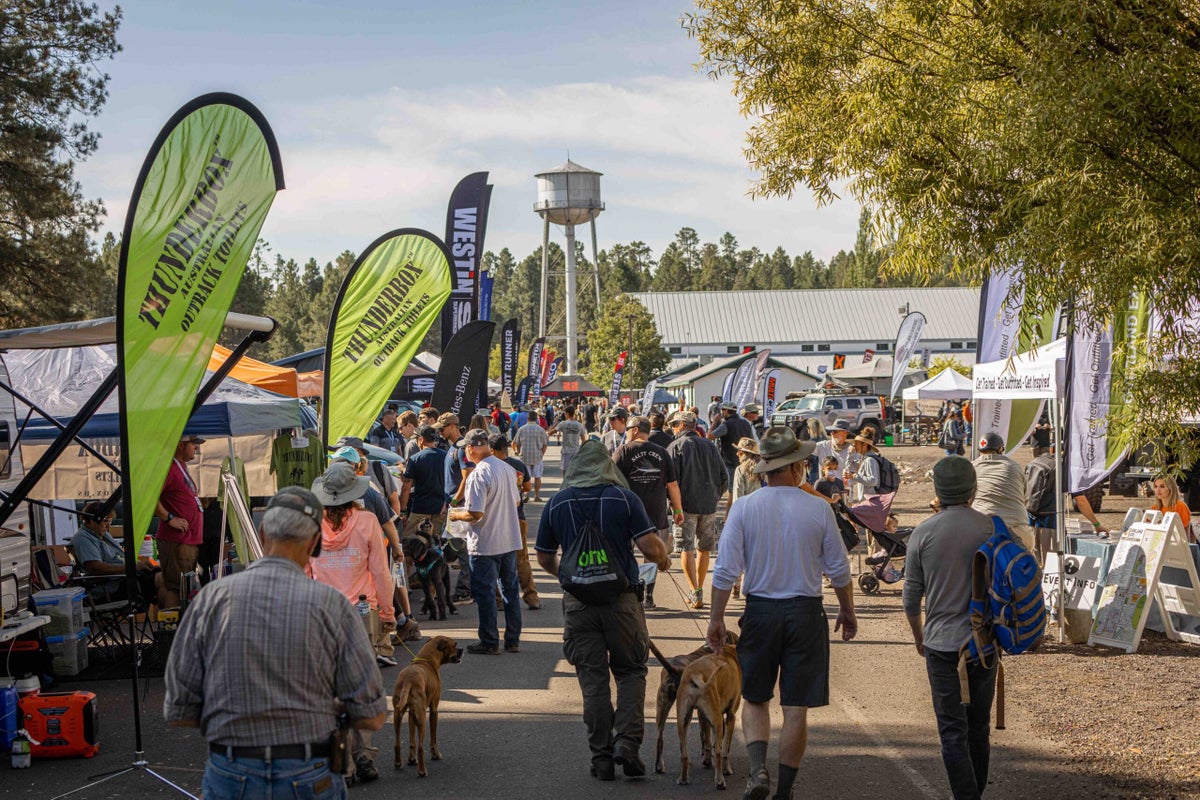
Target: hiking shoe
(364, 771)
(481, 649)
(512, 648)
(627, 756)
(758, 787)
(385, 661)
(410, 631)
(604, 769)
(649, 603)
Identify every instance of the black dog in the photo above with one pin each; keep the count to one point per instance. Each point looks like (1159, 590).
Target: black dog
(433, 574)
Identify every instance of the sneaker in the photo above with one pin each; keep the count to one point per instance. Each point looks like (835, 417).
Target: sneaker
(463, 597)
(385, 661)
(627, 756)
(649, 603)
(512, 648)
(758, 787)
(481, 649)
(604, 769)
(364, 770)
(410, 631)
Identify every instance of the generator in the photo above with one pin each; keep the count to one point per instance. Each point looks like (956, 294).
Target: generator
(65, 724)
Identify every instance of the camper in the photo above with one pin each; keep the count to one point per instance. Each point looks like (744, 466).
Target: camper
(14, 534)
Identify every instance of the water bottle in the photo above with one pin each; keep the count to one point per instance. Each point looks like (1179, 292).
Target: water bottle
(363, 608)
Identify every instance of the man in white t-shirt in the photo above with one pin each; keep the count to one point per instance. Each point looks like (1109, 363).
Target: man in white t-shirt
(572, 433)
(490, 505)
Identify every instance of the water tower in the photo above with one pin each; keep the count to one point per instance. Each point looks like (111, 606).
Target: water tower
(567, 195)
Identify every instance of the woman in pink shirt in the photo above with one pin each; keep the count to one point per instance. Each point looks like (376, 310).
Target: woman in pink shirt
(353, 556)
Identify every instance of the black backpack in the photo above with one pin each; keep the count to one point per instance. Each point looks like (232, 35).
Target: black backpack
(1040, 479)
(589, 571)
(889, 476)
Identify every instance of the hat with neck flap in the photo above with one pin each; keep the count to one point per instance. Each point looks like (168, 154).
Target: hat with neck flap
(593, 466)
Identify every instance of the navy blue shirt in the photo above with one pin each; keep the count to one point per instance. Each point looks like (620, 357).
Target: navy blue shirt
(425, 470)
(523, 471)
(618, 513)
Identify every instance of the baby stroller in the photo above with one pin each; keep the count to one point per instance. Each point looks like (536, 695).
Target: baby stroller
(888, 566)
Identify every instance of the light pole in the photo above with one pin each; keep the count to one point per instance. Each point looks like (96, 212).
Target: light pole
(629, 348)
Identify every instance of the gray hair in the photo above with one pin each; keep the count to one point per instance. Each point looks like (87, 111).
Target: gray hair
(286, 524)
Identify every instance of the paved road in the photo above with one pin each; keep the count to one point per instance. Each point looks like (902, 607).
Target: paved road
(512, 728)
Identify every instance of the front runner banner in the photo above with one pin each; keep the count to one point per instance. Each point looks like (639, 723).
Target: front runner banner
(197, 207)
(1099, 357)
(618, 370)
(466, 218)
(770, 390)
(463, 369)
(1004, 331)
(388, 301)
(907, 337)
(510, 348)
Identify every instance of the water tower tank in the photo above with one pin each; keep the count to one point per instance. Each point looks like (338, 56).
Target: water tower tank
(568, 194)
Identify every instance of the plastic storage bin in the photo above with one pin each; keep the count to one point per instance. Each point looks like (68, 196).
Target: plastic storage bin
(64, 607)
(70, 653)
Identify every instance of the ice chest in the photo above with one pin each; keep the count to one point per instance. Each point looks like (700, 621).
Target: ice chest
(64, 607)
(70, 652)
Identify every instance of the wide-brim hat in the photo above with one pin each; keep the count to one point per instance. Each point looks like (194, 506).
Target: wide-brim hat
(350, 441)
(752, 408)
(747, 445)
(868, 441)
(340, 485)
(838, 425)
(779, 447)
(729, 406)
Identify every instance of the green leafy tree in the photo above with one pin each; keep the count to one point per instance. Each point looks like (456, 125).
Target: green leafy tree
(611, 335)
(50, 84)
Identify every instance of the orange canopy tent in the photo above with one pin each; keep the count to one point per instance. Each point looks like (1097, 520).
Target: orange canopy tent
(280, 380)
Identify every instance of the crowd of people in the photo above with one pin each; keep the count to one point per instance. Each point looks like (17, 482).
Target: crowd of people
(651, 484)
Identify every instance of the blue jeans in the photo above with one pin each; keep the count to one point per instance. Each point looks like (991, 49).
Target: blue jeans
(291, 778)
(484, 573)
(963, 729)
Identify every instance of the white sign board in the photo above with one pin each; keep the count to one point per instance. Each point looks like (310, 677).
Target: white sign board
(1081, 585)
(1134, 581)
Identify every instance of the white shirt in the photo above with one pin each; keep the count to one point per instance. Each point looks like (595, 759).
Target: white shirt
(825, 449)
(782, 538)
(492, 490)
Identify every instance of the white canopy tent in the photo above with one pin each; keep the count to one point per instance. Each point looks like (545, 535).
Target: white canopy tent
(949, 384)
(1039, 375)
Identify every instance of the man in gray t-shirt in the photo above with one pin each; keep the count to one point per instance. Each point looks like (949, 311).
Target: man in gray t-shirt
(572, 432)
(938, 569)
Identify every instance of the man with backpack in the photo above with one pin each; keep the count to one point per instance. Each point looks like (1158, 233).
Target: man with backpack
(603, 634)
(1042, 505)
(938, 569)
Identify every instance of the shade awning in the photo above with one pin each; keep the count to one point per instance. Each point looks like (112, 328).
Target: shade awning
(1032, 375)
(94, 332)
(949, 384)
(571, 385)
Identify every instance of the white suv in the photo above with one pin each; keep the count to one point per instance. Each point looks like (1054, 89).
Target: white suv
(857, 409)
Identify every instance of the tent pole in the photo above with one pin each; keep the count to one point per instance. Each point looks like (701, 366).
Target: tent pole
(38, 470)
(1056, 414)
(44, 415)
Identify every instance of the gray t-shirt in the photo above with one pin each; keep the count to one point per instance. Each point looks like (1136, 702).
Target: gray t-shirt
(1000, 489)
(572, 434)
(938, 568)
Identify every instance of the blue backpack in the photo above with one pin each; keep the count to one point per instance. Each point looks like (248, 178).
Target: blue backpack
(1008, 612)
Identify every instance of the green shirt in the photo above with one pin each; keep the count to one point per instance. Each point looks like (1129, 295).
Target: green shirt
(297, 466)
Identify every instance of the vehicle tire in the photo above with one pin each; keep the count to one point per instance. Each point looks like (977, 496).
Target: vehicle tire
(868, 583)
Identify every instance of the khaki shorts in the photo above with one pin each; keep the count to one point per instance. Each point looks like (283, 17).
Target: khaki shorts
(176, 559)
(436, 523)
(698, 532)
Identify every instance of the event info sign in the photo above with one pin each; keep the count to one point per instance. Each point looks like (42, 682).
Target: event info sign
(1134, 581)
(1081, 584)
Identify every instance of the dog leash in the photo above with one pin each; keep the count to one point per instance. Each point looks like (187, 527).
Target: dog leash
(694, 616)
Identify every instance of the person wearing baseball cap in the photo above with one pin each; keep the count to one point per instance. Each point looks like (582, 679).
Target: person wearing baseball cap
(614, 437)
(1001, 488)
(784, 631)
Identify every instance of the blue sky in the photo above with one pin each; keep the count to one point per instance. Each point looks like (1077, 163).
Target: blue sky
(380, 107)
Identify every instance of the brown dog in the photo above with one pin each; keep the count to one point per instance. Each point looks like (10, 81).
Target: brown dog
(668, 686)
(711, 686)
(419, 687)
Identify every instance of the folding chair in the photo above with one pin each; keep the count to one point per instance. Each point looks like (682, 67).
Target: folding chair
(106, 613)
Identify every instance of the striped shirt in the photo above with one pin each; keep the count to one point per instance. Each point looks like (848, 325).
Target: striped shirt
(530, 443)
(263, 657)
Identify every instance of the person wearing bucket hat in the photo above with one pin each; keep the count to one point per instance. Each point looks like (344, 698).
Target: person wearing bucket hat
(320, 661)
(938, 569)
(744, 479)
(1002, 489)
(781, 541)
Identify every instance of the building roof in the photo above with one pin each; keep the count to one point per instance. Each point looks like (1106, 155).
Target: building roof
(718, 364)
(567, 166)
(766, 318)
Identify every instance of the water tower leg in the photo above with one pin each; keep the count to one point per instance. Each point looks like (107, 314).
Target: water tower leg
(596, 266)
(545, 278)
(572, 322)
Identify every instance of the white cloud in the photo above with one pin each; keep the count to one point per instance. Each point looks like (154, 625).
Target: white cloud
(670, 149)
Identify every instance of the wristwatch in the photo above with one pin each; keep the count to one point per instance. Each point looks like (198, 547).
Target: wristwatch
(170, 516)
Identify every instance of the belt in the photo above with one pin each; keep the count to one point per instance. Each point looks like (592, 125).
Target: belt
(306, 752)
(785, 601)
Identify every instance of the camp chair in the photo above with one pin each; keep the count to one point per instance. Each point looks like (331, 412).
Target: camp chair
(107, 618)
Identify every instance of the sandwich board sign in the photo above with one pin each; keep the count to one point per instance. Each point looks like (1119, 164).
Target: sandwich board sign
(1134, 582)
(1081, 583)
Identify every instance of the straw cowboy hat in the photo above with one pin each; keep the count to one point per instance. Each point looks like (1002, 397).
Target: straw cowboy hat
(747, 445)
(867, 440)
(780, 447)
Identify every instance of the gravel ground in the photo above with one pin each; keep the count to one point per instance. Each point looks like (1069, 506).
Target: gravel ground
(1134, 719)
